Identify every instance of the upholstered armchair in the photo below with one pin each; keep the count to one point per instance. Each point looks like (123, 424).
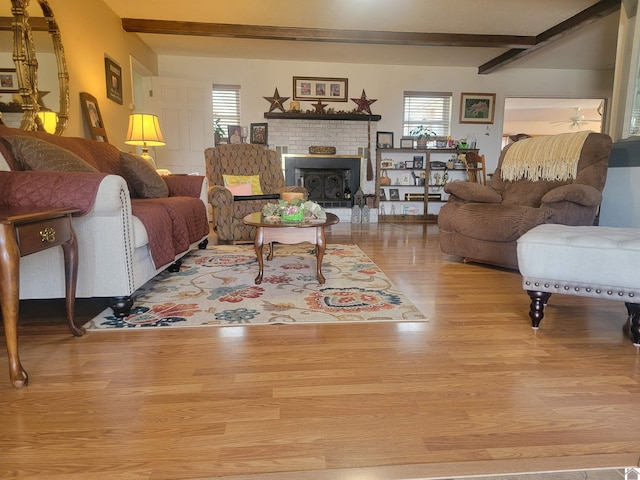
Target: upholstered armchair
(551, 179)
(230, 209)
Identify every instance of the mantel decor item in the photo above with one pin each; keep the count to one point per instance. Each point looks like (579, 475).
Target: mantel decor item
(477, 107)
(114, 80)
(294, 210)
(144, 130)
(320, 88)
(92, 115)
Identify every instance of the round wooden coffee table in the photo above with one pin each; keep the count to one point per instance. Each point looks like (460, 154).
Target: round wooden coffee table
(289, 233)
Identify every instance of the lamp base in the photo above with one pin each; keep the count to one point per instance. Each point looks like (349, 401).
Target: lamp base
(148, 158)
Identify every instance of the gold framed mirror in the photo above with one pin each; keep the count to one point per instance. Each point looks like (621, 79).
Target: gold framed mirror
(24, 22)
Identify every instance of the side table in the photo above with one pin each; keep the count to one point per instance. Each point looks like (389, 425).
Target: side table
(26, 230)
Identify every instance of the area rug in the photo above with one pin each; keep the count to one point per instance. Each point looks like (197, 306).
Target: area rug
(215, 287)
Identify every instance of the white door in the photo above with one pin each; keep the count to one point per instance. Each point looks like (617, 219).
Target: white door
(184, 109)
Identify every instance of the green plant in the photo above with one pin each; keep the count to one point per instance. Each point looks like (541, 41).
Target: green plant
(217, 128)
(421, 132)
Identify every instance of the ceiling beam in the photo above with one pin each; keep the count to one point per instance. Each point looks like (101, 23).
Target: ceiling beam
(376, 37)
(589, 15)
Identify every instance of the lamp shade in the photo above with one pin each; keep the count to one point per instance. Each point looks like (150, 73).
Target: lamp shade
(49, 120)
(144, 129)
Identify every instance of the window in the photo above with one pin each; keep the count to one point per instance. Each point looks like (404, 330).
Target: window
(226, 105)
(431, 109)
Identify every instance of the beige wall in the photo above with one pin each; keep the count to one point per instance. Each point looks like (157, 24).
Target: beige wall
(91, 31)
(387, 83)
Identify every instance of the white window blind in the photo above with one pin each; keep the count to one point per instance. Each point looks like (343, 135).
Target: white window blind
(226, 105)
(431, 109)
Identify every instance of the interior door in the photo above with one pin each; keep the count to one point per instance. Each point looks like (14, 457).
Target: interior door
(185, 112)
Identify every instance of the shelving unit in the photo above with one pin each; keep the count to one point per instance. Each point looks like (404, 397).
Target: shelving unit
(417, 181)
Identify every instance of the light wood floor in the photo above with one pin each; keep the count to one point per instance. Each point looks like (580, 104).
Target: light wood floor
(473, 391)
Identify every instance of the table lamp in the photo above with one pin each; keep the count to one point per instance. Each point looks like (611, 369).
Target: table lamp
(144, 130)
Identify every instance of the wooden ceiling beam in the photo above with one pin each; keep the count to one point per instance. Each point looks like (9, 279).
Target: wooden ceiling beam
(376, 37)
(589, 15)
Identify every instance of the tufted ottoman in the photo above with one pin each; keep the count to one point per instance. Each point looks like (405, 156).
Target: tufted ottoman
(599, 262)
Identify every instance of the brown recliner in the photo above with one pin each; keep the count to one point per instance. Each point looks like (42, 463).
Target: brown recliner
(243, 159)
(482, 223)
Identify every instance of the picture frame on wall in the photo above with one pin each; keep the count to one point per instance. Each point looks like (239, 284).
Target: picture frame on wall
(384, 139)
(259, 132)
(320, 88)
(8, 80)
(477, 107)
(113, 74)
(93, 117)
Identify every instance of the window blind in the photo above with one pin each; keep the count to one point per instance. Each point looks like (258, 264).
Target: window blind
(226, 105)
(431, 109)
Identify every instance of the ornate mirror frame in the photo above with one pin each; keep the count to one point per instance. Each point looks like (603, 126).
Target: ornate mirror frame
(24, 57)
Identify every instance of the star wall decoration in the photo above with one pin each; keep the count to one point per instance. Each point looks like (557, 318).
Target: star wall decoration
(319, 106)
(364, 104)
(276, 101)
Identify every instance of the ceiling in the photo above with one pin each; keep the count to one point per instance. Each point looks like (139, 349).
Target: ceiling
(592, 46)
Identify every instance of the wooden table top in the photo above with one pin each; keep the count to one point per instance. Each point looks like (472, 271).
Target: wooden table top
(256, 219)
(12, 214)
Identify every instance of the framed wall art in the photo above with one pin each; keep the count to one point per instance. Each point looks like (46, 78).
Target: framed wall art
(320, 88)
(477, 107)
(8, 80)
(92, 115)
(384, 139)
(258, 133)
(114, 80)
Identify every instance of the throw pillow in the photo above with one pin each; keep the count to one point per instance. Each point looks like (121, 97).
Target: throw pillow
(141, 175)
(35, 154)
(240, 190)
(254, 180)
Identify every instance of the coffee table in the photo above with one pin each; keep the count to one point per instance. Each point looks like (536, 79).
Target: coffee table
(289, 233)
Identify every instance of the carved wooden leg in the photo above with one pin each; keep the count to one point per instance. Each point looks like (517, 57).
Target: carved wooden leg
(203, 244)
(70, 250)
(121, 306)
(9, 302)
(320, 248)
(536, 310)
(258, 245)
(634, 322)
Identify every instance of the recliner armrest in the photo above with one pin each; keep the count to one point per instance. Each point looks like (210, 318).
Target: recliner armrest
(585, 195)
(473, 192)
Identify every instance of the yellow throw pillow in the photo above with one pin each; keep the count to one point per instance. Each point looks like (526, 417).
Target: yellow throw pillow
(253, 180)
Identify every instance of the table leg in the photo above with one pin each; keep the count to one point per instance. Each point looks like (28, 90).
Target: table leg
(270, 256)
(70, 250)
(258, 244)
(320, 247)
(10, 302)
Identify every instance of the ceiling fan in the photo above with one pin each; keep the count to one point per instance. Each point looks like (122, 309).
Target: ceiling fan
(576, 120)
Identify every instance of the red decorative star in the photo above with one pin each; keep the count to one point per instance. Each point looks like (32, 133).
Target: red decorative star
(276, 101)
(364, 105)
(319, 106)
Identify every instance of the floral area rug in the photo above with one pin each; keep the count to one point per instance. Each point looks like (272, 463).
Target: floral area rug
(216, 287)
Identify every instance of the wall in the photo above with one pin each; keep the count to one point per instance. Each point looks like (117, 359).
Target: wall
(386, 84)
(89, 31)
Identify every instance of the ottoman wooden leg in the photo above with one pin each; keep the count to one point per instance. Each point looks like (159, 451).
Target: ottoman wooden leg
(633, 323)
(536, 310)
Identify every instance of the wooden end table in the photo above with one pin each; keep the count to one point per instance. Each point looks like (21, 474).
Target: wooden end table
(26, 230)
(289, 233)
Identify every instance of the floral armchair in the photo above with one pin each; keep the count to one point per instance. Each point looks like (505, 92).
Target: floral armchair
(230, 209)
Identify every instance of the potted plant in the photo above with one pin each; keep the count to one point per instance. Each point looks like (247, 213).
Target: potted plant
(218, 131)
(423, 135)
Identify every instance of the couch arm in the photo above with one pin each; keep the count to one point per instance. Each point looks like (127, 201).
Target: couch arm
(472, 192)
(584, 195)
(50, 189)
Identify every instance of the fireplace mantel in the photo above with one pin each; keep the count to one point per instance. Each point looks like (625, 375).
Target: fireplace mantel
(321, 116)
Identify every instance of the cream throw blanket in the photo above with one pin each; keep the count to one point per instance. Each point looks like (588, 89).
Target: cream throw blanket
(552, 157)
